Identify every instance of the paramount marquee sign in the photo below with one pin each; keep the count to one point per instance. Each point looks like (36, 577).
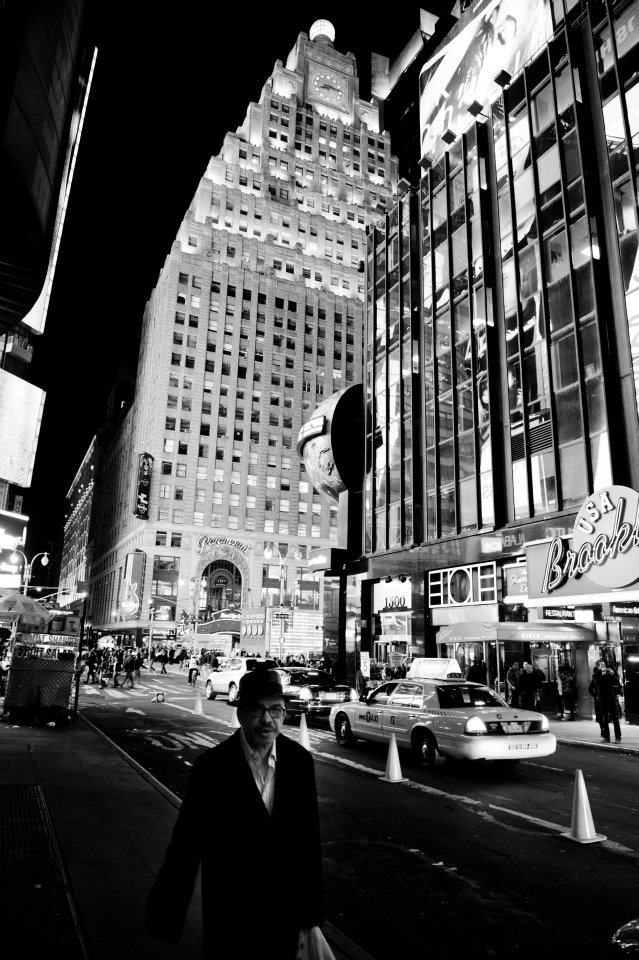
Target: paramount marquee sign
(601, 556)
(204, 542)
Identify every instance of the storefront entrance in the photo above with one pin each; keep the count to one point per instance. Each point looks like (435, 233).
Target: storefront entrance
(494, 648)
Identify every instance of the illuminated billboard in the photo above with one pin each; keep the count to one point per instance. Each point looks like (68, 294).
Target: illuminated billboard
(492, 36)
(21, 406)
(145, 467)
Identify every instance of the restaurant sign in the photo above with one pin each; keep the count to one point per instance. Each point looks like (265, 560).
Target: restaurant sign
(603, 553)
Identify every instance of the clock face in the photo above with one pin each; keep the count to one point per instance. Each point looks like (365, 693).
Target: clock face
(329, 88)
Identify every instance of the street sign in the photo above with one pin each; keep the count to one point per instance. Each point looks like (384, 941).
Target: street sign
(282, 616)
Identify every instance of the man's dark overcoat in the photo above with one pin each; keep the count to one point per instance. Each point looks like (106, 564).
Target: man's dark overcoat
(261, 875)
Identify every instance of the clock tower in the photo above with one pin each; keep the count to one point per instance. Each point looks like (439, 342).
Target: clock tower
(328, 73)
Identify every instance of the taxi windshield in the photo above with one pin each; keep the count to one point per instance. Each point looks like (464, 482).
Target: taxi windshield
(462, 695)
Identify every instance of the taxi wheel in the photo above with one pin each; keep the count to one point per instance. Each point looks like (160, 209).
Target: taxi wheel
(425, 749)
(210, 693)
(343, 732)
(232, 693)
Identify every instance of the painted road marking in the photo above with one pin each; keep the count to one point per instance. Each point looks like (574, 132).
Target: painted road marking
(176, 706)
(475, 804)
(544, 766)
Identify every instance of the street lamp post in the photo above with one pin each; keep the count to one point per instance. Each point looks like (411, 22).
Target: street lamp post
(151, 614)
(28, 566)
(268, 553)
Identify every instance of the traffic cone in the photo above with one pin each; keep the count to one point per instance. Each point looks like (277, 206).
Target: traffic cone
(198, 704)
(235, 723)
(304, 741)
(582, 828)
(393, 770)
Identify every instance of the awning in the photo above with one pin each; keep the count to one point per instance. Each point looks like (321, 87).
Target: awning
(519, 632)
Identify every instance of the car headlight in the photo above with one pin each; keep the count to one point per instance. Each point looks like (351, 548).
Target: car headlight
(475, 725)
(354, 695)
(545, 725)
(305, 694)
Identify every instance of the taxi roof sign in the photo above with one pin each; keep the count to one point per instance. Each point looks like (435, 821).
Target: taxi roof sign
(434, 668)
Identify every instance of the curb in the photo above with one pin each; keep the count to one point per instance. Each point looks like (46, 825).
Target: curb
(604, 747)
(144, 773)
(348, 950)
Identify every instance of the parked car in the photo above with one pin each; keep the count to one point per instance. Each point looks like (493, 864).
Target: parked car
(226, 679)
(449, 718)
(312, 692)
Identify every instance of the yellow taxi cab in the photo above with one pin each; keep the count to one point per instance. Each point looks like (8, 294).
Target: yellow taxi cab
(444, 718)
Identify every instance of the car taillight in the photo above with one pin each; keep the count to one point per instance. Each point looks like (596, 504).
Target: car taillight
(305, 694)
(475, 725)
(354, 695)
(545, 725)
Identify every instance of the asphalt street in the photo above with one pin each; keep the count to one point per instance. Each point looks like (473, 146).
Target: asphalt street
(465, 859)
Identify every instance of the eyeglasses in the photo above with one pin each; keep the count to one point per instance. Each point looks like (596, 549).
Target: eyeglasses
(276, 712)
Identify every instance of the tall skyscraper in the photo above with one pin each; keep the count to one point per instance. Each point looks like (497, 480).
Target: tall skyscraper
(256, 316)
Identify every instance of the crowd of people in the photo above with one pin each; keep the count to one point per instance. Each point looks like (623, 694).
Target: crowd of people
(524, 681)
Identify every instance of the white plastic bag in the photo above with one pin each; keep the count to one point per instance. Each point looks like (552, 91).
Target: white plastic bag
(312, 945)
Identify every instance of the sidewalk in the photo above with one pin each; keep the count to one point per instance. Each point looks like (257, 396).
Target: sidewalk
(586, 733)
(83, 833)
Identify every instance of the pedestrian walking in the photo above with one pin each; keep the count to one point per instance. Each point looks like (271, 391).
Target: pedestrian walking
(607, 687)
(162, 659)
(527, 688)
(593, 690)
(261, 778)
(477, 672)
(129, 667)
(106, 670)
(91, 667)
(512, 683)
(139, 661)
(569, 691)
(193, 669)
(152, 660)
(540, 679)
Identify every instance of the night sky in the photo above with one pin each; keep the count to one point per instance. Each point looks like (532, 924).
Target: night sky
(167, 86)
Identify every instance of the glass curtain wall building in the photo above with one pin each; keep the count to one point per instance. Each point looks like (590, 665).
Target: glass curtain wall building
(502, 340)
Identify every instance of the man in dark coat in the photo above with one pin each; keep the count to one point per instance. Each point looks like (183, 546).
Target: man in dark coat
(527, 687)
(607, 690)
(256, 793)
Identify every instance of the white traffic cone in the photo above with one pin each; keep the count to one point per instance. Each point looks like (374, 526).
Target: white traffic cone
(393, 770)
(582, 828)
(198, 704)
(304, 741)
(235, 723)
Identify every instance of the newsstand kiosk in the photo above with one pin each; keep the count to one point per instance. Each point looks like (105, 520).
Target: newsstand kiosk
(40, 683)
